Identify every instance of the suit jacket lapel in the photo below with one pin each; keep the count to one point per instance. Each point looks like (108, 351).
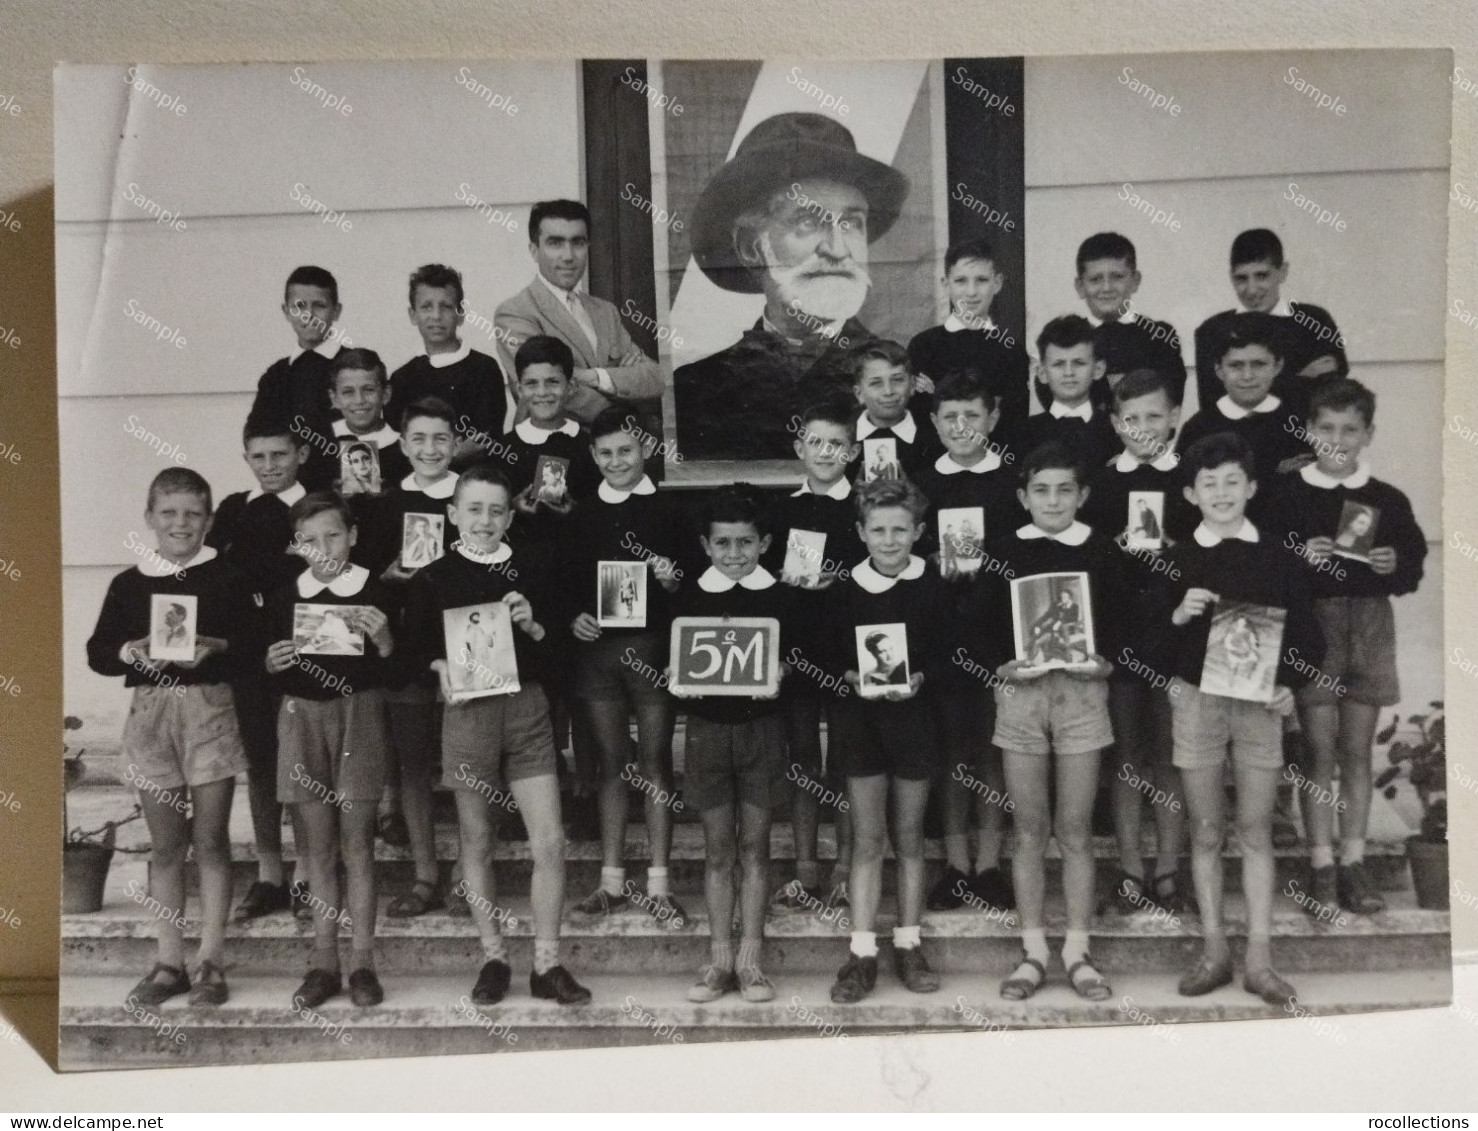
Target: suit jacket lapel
(569, 330)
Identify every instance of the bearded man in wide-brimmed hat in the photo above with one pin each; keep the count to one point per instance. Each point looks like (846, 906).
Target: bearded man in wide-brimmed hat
(790, 216)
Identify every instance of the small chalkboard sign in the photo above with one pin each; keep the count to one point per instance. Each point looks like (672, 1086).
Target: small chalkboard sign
(725, 656)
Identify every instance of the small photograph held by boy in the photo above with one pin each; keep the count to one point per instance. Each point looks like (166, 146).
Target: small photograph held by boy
(551, 481)
(880, 460)
(359, 469)
(961, 540)
(420, 539)
(1242, 651)
(805, 553)
(479, 651)
(328, 630)
(172, 627)
(882, 660)
(1356, 537)
(1145, 522)
(621, 595)
(1052, 617)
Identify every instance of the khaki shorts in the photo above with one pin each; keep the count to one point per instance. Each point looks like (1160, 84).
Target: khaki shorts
(487, 743)
(1204, 726)
(1054, 713)
(332, 750)
(184, 735)
(1360, 653)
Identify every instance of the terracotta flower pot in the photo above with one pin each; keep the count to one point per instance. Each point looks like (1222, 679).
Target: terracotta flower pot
(1429, 872)
(84, 874)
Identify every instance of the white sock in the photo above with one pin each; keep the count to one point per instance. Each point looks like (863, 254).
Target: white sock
(865, 944)
(1034, 942)
(495, 949)
(1321, 856)
(612, 880)
(656, 882)
(1074, 947)
(1352, 852)
(905, 938)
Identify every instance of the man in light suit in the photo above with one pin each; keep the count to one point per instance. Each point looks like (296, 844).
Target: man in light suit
(609, 367)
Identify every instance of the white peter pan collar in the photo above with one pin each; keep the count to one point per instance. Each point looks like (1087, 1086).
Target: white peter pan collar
(1282, 310)
(1233, 411)
(954, 324)
(1246, 533)
(946, 465)
(384, 438)
(905, 430)
(1315, 478)
(712, 580)
(1128, 461)
(497, 557)
(157, 565)
(327, 353)
(442, 360)
(610, 494)
(346, 584)
(1074, 535)
(531, 433)
(289, 497)
(1083, 412)
(443, 488)
(874, 582)
(841, 489)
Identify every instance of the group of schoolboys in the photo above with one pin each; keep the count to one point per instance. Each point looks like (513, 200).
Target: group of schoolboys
(1251, 491)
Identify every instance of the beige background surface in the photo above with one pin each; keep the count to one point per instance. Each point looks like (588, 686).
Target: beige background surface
(38, 33)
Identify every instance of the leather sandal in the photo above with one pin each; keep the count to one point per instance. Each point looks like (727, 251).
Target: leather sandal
(1018, 987)
(1093, 986)
(424, 896)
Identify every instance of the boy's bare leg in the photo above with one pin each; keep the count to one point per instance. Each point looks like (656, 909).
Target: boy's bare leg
(610, 727)
(211, 804)
(1026, 781)
(869, 800)
(477, 836)
(990, 815)
(1321, 724)
(720, 856)
(357, 841)
(169, 835)
(654, 722)
(412, 728)
(1205, 806)
(1357, 725)
(1257, 794)
(909, 799)
(1128, 706)
(320, 853)
(754, 869)
(538, 800)
(1077, 783)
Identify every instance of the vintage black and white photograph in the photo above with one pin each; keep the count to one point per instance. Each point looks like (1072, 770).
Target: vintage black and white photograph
(172, 619)
(961, 539)
(327, 630)
(1242, 650)
(882, 659)
(621, 598)
(492, 267)
(479, 651)
(421, 539)
(1356, 536)
(1052, 616)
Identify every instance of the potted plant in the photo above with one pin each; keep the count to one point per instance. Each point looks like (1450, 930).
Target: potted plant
(86, 853)
(1421, 754)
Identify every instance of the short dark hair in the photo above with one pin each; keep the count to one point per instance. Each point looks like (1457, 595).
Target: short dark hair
(1143, 383)
(261, 426)
(436, 275)
(609, 421)
(1250, 328)
(357, 358)
(831, 411)
(736, 504)
(179, 481)
(310, 276)
(1257, 245)
(977, 248)
(1215, 450)
(1341, 394)
(1065, 332)
(878, 493)
(556, 210)
(880, 349)
(433, 407)
(965, 384)
(320, 502)
(485, 472)
(1106, 245)
(541, 349)
(1053, 456)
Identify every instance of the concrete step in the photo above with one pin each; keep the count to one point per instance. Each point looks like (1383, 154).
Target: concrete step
(428, 1015)
(121, 938)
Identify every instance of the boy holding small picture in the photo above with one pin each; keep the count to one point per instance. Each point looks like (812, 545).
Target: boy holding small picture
(498, 744)
(735, 762)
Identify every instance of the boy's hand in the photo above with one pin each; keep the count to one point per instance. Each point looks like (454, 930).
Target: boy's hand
(524, 501)
(665, 570)
(395, 573)
(585, 628)
(915, 682)
(1282, 701)
(1101, 669)
(1020, 671)
(923, 383)
(280, 656)
(1193, 604)
(632, 356)
(521, 613)
(440, 668)
(1317, 550)
(376, 625)
(1383, 559)
(137, 653)
(851, 679)
(205, 647)
(1319, 366)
